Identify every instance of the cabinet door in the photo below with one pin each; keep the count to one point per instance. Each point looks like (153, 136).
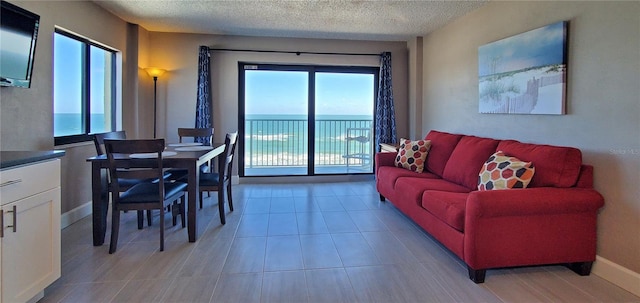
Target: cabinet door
(30, 255)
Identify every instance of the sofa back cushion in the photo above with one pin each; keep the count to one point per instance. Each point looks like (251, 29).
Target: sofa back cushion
(442, 145)
(467, 159)
(556, 166)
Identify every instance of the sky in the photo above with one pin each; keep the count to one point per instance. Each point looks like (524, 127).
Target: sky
(67, 70)
(286, 92)
(539, 47)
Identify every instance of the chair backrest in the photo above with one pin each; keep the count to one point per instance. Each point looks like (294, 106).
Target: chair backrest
(147, 169)
(98, 139)
(206, 133)
(225, 163)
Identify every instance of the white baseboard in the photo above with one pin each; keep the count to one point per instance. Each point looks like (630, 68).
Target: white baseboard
(618, 275)
(75, 214)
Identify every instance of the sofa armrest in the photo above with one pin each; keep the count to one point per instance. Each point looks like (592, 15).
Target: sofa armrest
(532, 201)
(530, 226)
(384, 159)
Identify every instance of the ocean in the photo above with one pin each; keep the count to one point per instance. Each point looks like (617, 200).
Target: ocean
(282, 140)
(278, 140)
(67, 124)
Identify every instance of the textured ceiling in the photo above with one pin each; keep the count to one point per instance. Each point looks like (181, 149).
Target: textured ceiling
(335, 19)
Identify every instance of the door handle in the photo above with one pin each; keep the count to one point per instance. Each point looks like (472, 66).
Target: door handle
(11, 182)
(14, 213)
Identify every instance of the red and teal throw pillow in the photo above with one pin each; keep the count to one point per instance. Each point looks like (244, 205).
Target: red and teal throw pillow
(504, 172)
(412, 154)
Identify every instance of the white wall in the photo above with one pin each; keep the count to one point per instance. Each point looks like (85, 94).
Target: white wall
(603, 99)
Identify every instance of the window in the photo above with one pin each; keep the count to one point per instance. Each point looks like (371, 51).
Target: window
(306, 120)
(83, 88)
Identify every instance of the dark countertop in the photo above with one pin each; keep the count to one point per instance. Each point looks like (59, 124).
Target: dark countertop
(10, 159)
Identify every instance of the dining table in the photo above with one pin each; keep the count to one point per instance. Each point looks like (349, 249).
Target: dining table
(179, 156)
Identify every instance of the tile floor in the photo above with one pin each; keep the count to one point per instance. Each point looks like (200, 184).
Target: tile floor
(321, 242)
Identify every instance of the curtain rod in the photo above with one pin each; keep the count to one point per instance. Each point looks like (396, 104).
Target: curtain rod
(298, 53)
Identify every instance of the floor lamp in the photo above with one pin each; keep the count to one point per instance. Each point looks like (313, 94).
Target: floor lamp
(155, 73)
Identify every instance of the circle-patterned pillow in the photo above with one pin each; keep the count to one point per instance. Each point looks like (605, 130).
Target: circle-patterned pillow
(504, 172)
(412, 154)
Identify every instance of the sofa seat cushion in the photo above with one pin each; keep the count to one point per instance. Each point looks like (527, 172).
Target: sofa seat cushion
(388, 175)
(411, 189)
(556, 166)
(442, 145)
(446, 206)
(467, 160)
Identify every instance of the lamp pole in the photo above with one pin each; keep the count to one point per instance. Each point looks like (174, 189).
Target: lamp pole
(155, 73)
(155, 82)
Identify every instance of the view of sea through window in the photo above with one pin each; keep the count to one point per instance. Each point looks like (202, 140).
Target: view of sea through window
(73, 79)
(277, 122)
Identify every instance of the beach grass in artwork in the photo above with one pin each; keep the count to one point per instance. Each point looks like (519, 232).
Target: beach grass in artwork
(525, 73)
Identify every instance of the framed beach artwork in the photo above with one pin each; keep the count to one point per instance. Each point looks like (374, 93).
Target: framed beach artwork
(525, 73)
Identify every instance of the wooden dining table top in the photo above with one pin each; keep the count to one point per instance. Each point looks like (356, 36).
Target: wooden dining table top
(179, 155)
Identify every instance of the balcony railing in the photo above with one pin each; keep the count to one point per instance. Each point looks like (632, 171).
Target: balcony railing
(284, 142)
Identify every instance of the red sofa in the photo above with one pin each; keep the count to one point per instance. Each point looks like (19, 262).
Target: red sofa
(552, 221)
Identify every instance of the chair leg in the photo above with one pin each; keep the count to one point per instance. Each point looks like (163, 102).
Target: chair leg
(221, 205)
(183, 203)
(115, 228)
(229, 197)
(149, 218)
(140, 219)
(201, 198)
(161, 229)
(174, 212)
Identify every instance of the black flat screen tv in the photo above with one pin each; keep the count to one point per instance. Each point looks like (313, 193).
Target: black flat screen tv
(18, 35)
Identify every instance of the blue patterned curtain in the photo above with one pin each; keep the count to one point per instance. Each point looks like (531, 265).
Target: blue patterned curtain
(204, 103)
(385, 114)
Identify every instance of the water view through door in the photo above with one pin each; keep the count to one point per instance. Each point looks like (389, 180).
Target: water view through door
(306, 121)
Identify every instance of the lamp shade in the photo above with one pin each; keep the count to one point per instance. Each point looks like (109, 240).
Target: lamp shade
(154, 71)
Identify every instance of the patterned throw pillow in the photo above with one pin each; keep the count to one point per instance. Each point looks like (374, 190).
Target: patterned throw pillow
(412, 154)
(504, 172)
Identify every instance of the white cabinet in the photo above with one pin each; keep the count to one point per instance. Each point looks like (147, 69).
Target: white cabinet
(30, 236)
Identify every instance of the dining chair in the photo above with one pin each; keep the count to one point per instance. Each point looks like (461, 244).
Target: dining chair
(144, 195)
(205, 132)
(218, 181)
(183, 132)
(98, 141)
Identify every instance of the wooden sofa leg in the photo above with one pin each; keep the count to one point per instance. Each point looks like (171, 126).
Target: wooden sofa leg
(382, 198)
(581, 268)
(477, 275)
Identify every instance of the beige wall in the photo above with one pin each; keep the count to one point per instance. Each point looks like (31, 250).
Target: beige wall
(178, 53)
(603, 99)
(26, 121)
(416, 73)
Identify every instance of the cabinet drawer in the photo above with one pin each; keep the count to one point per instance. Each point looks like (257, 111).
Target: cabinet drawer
(25, 181)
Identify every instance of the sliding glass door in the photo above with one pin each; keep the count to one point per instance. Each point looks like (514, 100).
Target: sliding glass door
(344, 122)
(276, 122)
(306, 120)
